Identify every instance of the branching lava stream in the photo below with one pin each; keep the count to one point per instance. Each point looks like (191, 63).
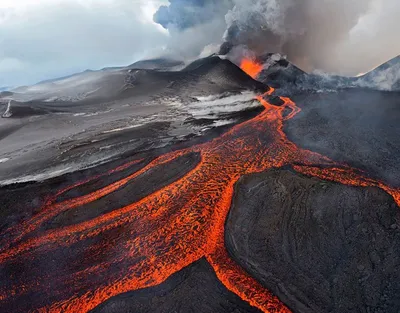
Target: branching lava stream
(142, 244)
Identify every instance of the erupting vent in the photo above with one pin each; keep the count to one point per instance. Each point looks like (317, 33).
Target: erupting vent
(251, 67)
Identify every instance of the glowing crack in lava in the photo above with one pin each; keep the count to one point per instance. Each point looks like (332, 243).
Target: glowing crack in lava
(142, 244)
(251, 67)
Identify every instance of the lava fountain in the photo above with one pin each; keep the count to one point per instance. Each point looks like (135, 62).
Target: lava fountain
(142, 244)
(252, 68)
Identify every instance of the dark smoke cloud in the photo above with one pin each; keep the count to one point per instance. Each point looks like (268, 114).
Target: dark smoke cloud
(307, 31)
(314, 34)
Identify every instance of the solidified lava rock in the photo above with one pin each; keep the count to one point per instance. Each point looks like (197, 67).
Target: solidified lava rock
(319, 246)
(145, 184)
(193, 289)
(356, 127)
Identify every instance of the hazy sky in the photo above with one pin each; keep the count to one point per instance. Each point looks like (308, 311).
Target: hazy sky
(41, 39)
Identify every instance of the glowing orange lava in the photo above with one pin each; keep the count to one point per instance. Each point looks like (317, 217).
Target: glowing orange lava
(252, 68)
(142, 244)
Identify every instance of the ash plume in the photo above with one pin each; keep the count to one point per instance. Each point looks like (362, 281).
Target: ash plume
(340, 36)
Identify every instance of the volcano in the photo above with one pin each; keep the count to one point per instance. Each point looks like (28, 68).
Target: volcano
(199, 189)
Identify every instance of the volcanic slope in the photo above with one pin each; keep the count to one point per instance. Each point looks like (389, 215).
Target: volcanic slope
(384, 77)
(74, 93)
(288, 79)
(130, 110)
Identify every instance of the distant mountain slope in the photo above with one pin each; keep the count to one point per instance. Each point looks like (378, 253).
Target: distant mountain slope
(384, 77)
(78, 93)
(159, 64)
(281, 73)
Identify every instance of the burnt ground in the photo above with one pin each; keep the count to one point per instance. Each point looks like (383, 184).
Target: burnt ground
(194, 289)
(319, 246)
(355, 126)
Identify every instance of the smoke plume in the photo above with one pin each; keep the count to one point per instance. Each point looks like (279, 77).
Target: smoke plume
(341, 36)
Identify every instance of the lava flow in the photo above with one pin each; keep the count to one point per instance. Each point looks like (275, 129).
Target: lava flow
(142, 244)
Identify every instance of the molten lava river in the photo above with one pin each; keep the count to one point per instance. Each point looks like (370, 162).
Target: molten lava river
(142, 244)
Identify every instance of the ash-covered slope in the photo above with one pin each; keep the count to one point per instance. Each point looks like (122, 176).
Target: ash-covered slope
(94, 116)
(211, 75)
(353, 126)
(81, 91)
(384, 77)
(87, 86)
(286, 76)
(157, 64)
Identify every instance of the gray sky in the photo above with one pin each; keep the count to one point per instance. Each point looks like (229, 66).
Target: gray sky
(41, 39)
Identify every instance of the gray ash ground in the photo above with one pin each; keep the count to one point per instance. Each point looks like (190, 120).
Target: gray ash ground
(104, 114)
(319, 246)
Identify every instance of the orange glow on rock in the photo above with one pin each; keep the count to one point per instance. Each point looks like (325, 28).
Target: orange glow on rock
(169, 229)
(251, 68)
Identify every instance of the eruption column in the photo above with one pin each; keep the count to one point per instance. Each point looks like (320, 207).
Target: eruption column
(251, 67)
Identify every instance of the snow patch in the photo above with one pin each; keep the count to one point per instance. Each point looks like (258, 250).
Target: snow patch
(8, 113)
(36, 177)
(219, 104)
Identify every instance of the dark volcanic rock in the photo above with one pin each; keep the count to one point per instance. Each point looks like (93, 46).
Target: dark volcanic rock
(319, 246)
(222, 73)
(279, 73)
(194, 289)
(359, 127)
(145, 184)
